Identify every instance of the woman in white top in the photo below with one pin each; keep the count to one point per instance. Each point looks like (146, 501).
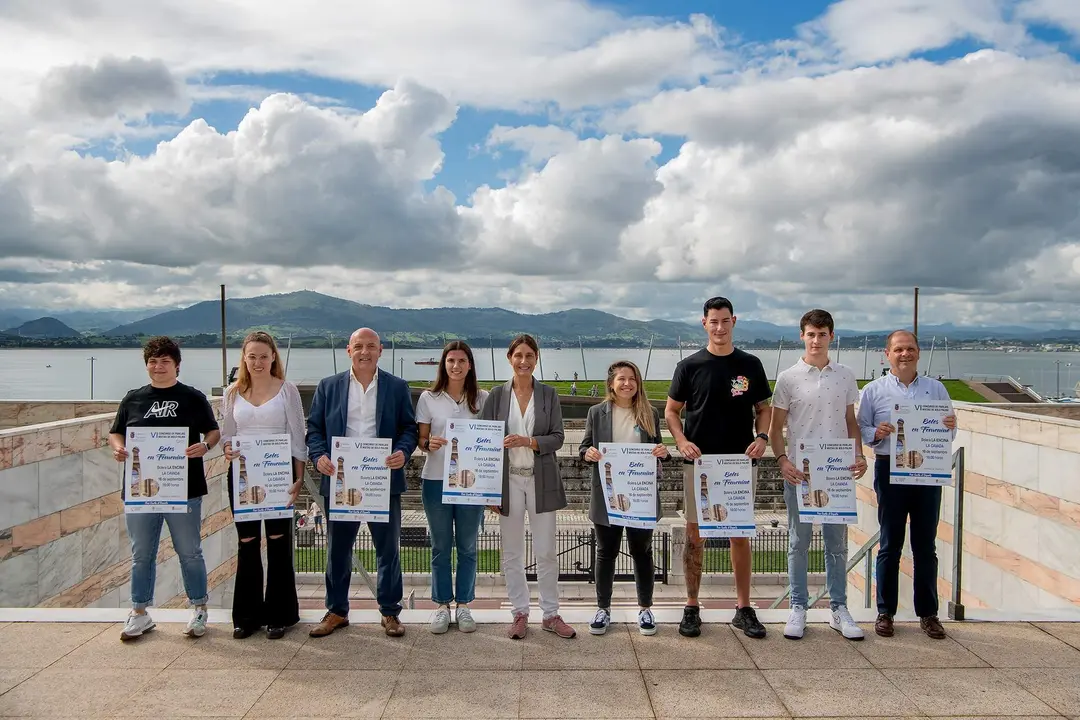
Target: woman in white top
(455, 394)
(261, 402)
(531, 483)
(625, 416)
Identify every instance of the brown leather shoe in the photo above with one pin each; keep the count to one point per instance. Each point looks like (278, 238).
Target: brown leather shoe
(884, 625)
(329, 624)
(392, 626)
(932, 627)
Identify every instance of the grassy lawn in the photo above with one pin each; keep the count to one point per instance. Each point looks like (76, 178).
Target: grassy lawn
(718, 560)
(412, 560)
(658, 389)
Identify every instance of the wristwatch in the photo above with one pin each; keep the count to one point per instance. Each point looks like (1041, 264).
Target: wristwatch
(206, 445)
(763, 436)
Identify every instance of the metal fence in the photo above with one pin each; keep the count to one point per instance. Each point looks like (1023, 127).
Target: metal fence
(575, 548)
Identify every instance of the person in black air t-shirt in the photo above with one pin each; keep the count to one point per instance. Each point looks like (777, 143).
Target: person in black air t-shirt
(725, 394)
(166, 402)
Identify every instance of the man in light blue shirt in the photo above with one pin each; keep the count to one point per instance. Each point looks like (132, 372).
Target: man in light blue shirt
(897, 502)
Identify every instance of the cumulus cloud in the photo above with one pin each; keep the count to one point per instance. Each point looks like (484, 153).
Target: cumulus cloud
(131, 87)
(566, 217)
(868, 31)
(888, 178)
(779, 183)
(292, 185)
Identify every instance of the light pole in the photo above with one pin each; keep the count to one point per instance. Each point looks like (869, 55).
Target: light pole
(1058, 363)
(91, 359)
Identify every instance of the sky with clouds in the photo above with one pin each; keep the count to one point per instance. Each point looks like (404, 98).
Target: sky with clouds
(633, 156)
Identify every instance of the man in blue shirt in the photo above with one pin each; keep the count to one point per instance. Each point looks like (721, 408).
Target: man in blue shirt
(897, 502)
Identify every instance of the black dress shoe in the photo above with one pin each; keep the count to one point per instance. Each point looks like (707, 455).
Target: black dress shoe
(275, 633)
(240, 633)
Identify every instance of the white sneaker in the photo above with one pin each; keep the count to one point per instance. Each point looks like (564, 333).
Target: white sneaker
(796, 623)
(440, 621)
(600, 622)
(136, 625)
(842, 622)
(464, 619)
(196, 626)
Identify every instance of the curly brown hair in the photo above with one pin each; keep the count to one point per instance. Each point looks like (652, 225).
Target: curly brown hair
(161, 346)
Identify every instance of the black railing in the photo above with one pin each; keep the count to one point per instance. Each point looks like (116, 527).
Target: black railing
(575, 549)
(769, 551)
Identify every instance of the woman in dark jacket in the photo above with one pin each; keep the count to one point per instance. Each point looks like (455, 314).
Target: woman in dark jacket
(625, 416)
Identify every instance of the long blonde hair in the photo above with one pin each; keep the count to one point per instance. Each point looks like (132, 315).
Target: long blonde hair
(639, 405)
(243, 377)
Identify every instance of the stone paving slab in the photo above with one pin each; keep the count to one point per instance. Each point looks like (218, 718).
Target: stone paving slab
(81, 669)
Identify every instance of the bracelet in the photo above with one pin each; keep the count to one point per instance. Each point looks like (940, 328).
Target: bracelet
(860, 456)
(781, 455)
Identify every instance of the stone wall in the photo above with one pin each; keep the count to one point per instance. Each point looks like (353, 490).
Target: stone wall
(63, 539)
(1021, 513)
(19, 413)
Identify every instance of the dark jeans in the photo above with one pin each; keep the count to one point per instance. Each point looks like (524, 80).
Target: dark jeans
(341, 537)
(895, 504)
(608, 540)
(279, 606)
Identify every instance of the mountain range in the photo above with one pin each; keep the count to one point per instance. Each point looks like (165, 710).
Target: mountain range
(313, 315)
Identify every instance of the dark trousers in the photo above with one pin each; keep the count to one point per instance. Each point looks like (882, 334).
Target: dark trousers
(341, 536)
(896, 503)
(608, 541)
(278, 605)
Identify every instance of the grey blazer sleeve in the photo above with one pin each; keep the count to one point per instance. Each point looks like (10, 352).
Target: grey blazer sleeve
(551, 438)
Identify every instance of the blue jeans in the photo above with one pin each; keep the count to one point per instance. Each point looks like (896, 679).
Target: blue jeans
(341, 537)
(799, 536)
(442, 520)
(144, 531)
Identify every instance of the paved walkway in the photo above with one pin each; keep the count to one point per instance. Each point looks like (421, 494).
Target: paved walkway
(52, 669)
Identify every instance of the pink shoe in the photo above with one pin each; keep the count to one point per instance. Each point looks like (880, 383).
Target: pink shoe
(520, 626)
(556, 625)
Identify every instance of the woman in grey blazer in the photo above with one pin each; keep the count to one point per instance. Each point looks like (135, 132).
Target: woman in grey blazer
(531, 483)
(625, 416)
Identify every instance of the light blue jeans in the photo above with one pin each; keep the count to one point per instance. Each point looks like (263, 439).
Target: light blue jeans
(443, 520)
(799, 535)
(144, 531)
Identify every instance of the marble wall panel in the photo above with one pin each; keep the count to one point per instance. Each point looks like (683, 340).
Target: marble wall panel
(59, 565)
(59, 483)
(18, 495)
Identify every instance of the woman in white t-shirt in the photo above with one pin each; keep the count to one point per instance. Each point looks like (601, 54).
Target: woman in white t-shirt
(455, 394)
(625, 416)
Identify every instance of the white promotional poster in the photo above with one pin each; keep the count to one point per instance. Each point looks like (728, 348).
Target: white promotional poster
(262, 476)
(922, 445)
(725, 490)
(473, 457)
(156, 470)
(827, 492)
(360, 486)
(628, 476)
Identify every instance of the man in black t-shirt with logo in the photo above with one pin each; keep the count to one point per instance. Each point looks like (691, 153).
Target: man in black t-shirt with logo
(722, 390)
(167, 403)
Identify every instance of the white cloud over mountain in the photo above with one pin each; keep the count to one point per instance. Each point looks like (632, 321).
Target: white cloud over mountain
(835, 169)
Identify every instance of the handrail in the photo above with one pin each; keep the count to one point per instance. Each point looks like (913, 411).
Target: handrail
(956, 606)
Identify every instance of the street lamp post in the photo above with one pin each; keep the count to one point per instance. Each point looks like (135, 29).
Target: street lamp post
(1058, 364)
(91, 359)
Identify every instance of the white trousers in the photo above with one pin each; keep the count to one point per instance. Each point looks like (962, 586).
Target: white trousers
(512, 528)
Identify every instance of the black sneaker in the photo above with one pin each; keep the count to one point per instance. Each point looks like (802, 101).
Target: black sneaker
(746, 620)
(691, 621)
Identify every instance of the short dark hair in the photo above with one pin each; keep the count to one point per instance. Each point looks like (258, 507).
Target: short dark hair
(161, 346)
(894, 333)
(717, 303)
(818, 318)
(523, 340)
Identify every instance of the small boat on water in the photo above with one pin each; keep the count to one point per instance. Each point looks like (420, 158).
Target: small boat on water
(429, 361)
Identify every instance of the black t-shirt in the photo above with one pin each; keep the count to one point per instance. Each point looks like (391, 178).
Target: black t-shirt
(177, 406)
(720, 392)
